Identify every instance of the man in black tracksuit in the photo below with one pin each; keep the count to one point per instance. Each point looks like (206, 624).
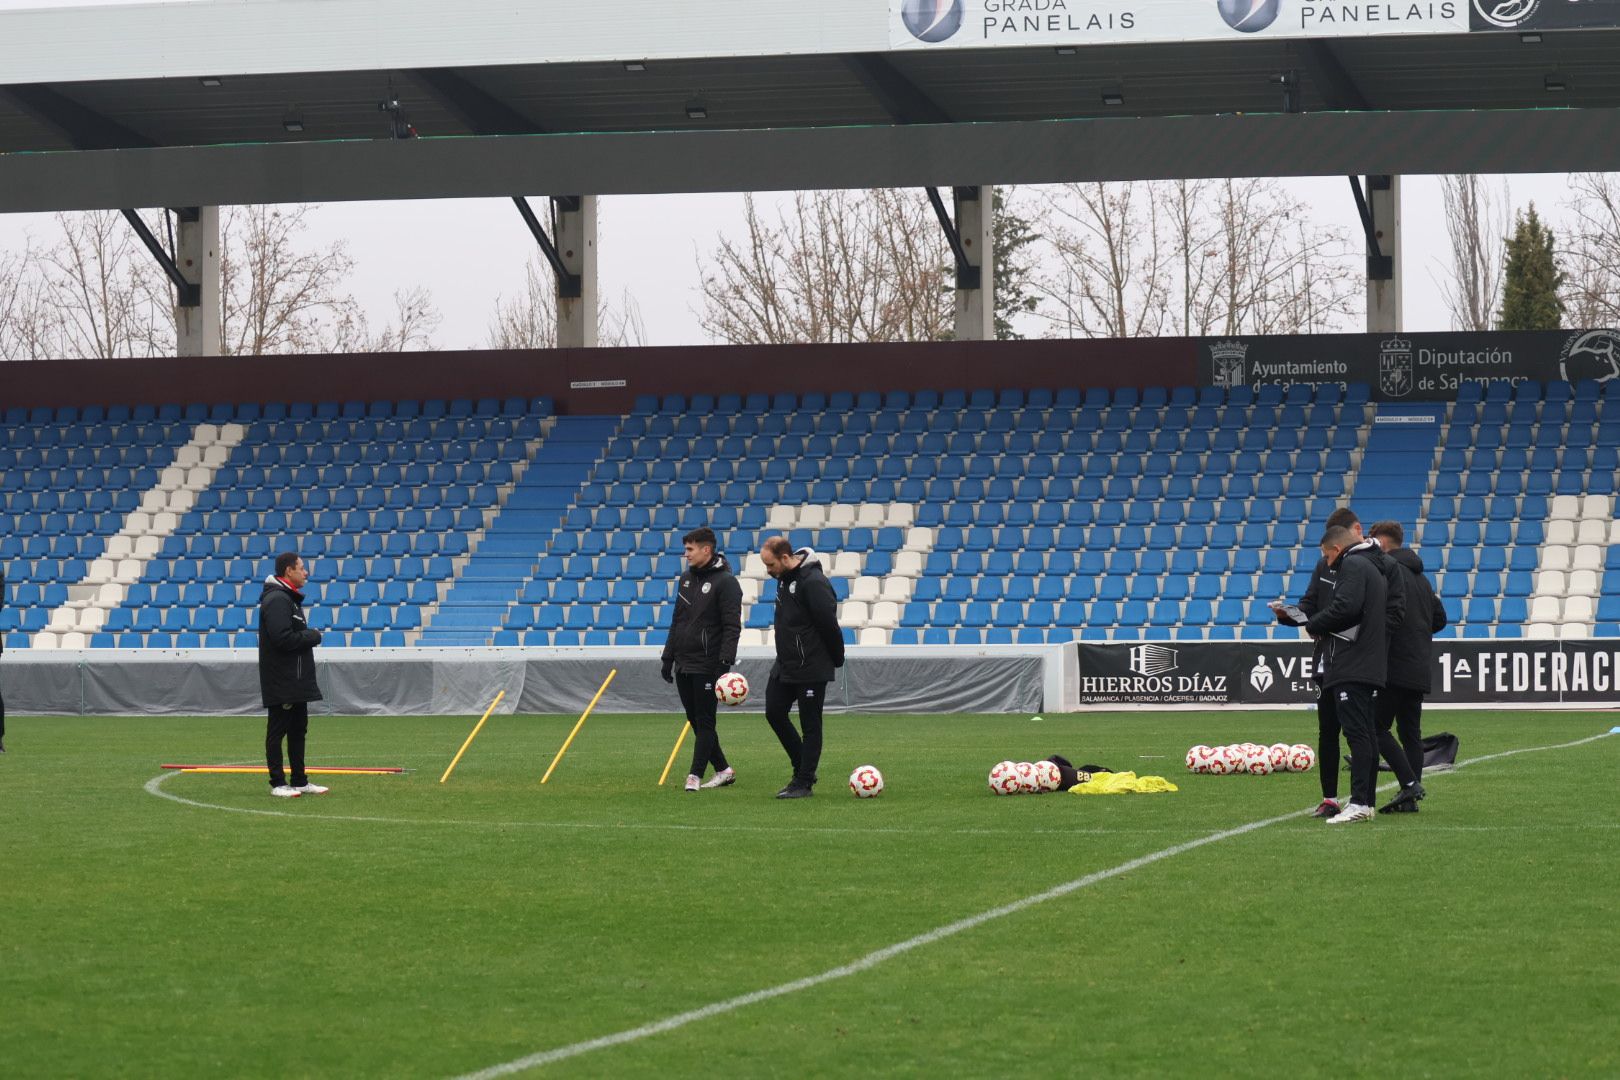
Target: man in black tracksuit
(1410, 670)
(287, 674)
(1316, 598)
(1355, 659)
(809, 647)
(703, 631)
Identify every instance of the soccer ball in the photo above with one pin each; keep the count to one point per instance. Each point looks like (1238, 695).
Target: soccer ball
(1221, 761)
(731, 688)
(1258, 761)
(866, 782)
(1048, 776)
(1278, 752)
(1237, 758)
(1025, 773)
(1301, 758)
(1004, 778)
(1198, 758)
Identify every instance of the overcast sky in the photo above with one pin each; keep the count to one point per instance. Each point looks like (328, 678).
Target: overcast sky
(468, 251)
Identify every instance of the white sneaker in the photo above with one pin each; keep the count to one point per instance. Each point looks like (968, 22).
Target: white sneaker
(723, 778)
(312, 789)
(693, 782)
(1352, 812)
(285, 792)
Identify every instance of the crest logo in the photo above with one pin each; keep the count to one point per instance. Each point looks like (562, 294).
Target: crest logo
(1151, 660)
(932, 20)
(1591, 354)
(1229, 361)
(793, 588)
(1395, 367)
(1250, 16)
(707, 585)
(1261, 678)
(1506, 14)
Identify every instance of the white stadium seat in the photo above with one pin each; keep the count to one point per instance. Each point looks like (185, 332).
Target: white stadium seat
(187, 456)
(885, 614)
(1587, 557)
(901, 515)
(44, 640)
(205, 435)
(155, 500)
(1614, 533)
(919, 539)
(215, 456)
(852, 613)
(1578, 609)
(846, 564)
(812, 517)
(1541, 631)
(138, 523)
(782, 518)
(864, 589)
(171, 477)
(1545, 609)
(754, 566)
(147, 547)
(751, 638)
(872, 516)
(1551, 583)
(92, 619)
(232, 433)
(101, 570)
(198, 478)
(120, 546)
(1596, 507)
(874, 635)
(129, 571)
(111, 595)
(1592, 532)
(1582, 583)
(164, 524)
(62, 619)
(897, 590)
(1555, 557)
(73, 640)
(841, 516)
(750, 588)
(1564, 508)
(1561, 532)
(181, 502)
(1571, 631)
(907, 564)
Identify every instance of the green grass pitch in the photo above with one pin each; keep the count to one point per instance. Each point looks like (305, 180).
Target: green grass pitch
(402, 928)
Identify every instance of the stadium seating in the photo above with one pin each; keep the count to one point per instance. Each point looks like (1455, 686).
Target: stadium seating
(941, 516)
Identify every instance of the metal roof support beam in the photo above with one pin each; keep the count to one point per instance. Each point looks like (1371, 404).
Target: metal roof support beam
(85, 128)
(190, 293)
(1380, 209)
(196, 250)
(898, 95)
(975, 291)
(481, 111)
(573, 222)
(967, 270)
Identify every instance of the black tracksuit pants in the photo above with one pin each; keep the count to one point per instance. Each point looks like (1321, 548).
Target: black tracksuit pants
(805, 752)
(1401, 709)
(1353, 705)
(697, 698)
(1327, 744)
(290, 722)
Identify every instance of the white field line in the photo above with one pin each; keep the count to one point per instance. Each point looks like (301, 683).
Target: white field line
(873, 959)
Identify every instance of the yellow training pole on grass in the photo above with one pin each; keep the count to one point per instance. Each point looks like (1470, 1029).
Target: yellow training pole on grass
(600, 691)
(670, 763)
(471, 737)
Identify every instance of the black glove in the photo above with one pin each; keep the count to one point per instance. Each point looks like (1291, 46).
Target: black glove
(668, 671)
(727, 665)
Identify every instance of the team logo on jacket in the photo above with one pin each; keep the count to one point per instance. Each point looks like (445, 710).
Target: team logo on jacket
(1261, 678)
(793, 588)
(706, 586)
(1395, 367)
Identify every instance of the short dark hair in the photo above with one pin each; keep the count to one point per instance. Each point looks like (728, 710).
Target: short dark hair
(1337, 536)
(779, 547)
(1342, 518)
(1391, 529)
(285, 562)
(700, 535)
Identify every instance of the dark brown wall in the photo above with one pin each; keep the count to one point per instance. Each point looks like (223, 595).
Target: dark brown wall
(681, 370)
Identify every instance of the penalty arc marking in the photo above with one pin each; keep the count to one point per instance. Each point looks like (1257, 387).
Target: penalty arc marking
(873, 959)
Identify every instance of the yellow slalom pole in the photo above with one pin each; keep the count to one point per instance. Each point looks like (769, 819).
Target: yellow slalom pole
(566, 743)
(671, 762)
(471, 737)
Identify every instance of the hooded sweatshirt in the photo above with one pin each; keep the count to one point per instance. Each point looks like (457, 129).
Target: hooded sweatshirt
(707, 620)
(1411, 666)
(286, 647)
(809, 644)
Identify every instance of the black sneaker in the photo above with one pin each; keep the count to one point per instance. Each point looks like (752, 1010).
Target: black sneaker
(1328, 808)
(1407, 796)
(796, 790)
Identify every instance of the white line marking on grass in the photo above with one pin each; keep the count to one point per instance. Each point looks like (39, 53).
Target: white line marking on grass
(154, 786)
(873, 959)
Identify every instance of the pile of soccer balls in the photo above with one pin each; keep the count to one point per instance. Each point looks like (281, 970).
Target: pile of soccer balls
(1250, 758)
(1024, 777)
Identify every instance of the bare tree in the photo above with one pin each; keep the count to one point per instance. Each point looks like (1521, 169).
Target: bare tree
(1592, 261)
(105, 292)
(28, 322)
(276, 295)
(528, 319)
(836, 266)
(411, 329)
(1477, 221)
(1193, 257)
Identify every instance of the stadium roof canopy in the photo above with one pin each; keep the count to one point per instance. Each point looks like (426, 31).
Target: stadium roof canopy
(204, 102)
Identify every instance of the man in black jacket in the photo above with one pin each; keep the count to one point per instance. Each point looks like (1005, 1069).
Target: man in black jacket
(703, 631)
(1316, 598)
(1355, 659)
(287, 674)
(1410, 670)
(809, 647)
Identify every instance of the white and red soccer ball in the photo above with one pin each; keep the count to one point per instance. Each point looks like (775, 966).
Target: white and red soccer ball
(1004, 778)
(1027, 783)
(1278, 752)
(1301, 758)
(731, 688)
(1257, 762)
(866, 782)
(1198, 758)
(1048, 777)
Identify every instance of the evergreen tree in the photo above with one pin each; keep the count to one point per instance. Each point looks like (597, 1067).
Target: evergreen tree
(1532, 278)
(1014, 294)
